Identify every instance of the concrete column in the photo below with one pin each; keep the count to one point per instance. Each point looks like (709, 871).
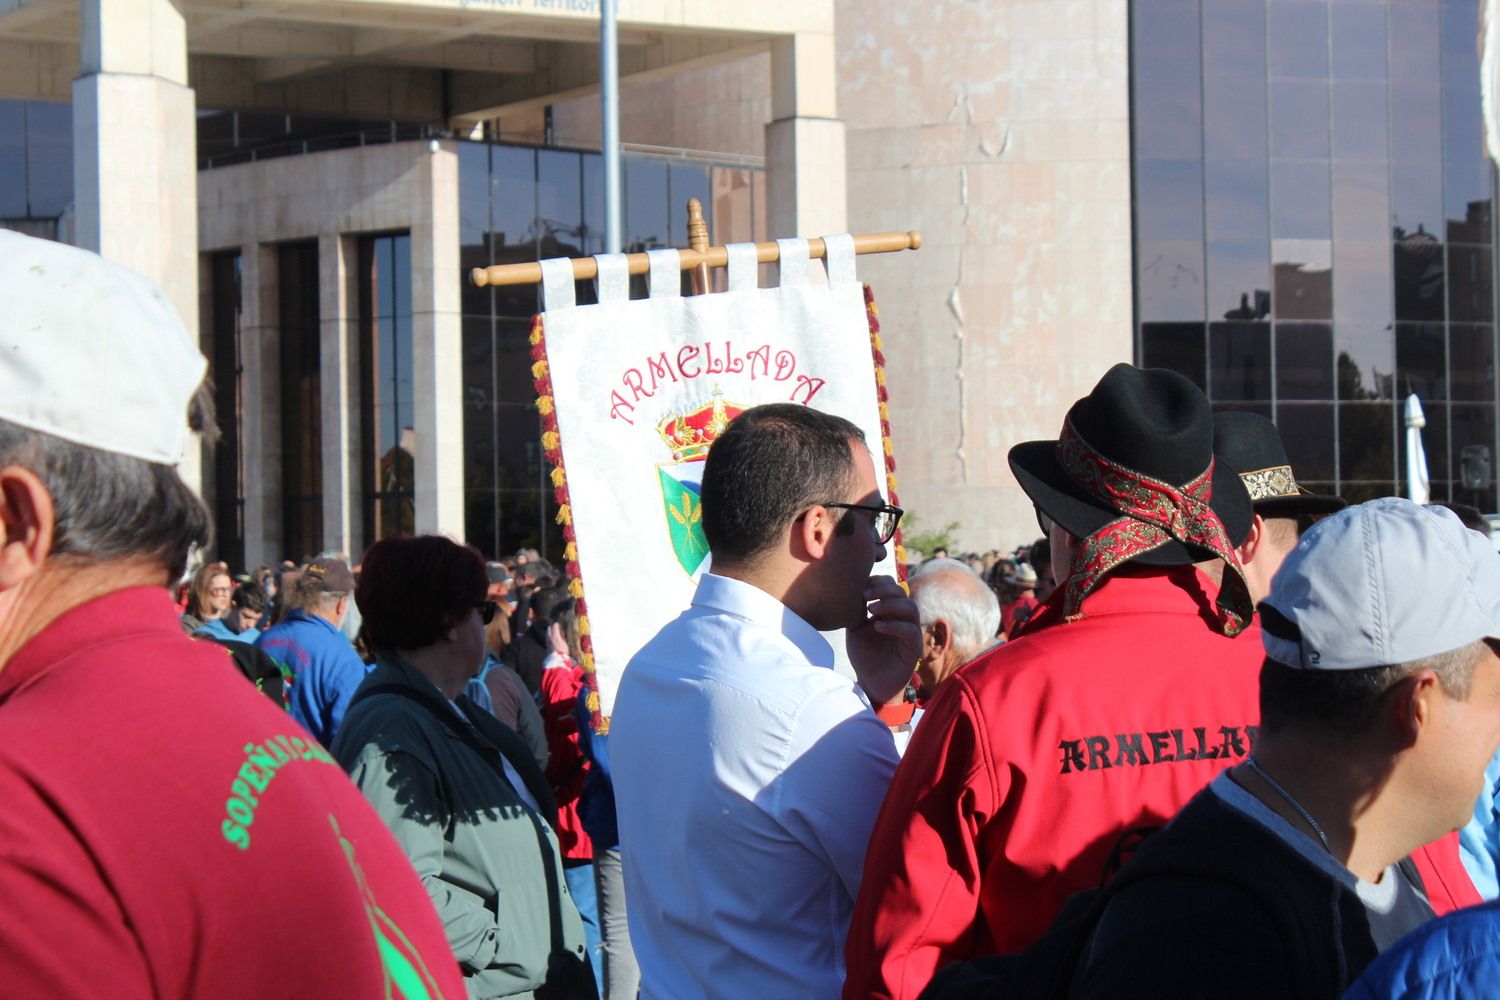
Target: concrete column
(805, 182)
(260, 354)
(134, 150)
(339, 354)
(437, 349)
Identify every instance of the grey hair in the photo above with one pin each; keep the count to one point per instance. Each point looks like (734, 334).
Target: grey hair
(952, 591)
(111, 506)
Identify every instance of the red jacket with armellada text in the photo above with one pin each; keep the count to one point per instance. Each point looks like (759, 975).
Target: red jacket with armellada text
(1033, 760)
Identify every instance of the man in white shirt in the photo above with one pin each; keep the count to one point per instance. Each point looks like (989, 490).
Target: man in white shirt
(747, 771)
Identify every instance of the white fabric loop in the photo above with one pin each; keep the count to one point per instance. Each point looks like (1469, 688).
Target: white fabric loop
(793, 262)
(557, 284)
(743, 267)
(838, 258)
(613, 282)
(666, 274)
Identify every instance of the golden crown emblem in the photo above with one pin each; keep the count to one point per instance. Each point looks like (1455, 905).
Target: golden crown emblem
(689, 433)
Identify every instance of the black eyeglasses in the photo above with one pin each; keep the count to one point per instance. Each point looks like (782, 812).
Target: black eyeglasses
(885, 520)
(487, 611)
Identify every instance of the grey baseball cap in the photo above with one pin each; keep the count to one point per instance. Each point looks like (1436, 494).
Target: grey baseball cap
(1381, 583)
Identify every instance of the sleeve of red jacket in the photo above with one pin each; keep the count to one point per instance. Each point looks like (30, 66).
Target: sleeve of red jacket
(918, 905)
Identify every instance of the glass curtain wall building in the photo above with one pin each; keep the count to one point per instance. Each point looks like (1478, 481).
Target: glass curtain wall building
(519, 204)
(1314, 228)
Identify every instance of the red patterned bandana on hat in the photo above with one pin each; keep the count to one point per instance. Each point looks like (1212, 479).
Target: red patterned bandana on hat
(1154, 513)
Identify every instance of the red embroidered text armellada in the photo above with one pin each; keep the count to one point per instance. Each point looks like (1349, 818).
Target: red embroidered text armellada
(1153, 514)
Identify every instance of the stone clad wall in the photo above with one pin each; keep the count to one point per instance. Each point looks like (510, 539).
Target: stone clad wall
(1001, 131)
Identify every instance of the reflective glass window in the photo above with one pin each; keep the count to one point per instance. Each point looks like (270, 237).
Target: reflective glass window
(1307, 431)
(1417, 198)
(647, 217)
(1297, 39)
(1239, 361)
(690, 181)
(1419, 262)
(1168, 121)
(1361, 208)
(1238, 198)
(1170, 280)
(1304, 361)
(1364, 357)
(1234, 39)
(1467, 189)
(1239, 279)
(1471, 296)
(559, 203)
(1301, 199)
(1362, 281)
(1299, 119)
(1178, 347)
(474, 224)
(1234, 118)
(1359, 42)
(1359, 120)
(1471, 361)
(301, 401)
(513, 202)
(1473, 447)
(388, 421)
(1421, 360)
(1169, 196)
(1415, 47)
(593, 203)
(12, 159)
(1302, 275)
(49, 154)
(1367, 445)
(1166, 40)
(1416, 121)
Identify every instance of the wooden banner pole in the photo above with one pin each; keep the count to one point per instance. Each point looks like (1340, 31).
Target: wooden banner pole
(584, 268)
(697, 229)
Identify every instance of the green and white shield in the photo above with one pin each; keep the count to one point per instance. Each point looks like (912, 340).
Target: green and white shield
(684, 512)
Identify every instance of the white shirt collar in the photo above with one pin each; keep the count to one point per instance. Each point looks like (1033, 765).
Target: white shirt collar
(747, 601)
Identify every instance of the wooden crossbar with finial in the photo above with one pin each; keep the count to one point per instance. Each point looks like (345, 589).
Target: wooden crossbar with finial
(698, 258)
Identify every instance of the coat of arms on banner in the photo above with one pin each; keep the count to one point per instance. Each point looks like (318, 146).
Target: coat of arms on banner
(689, 434)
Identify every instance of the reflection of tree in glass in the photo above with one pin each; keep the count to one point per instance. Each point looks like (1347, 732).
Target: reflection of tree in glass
(1172, 273)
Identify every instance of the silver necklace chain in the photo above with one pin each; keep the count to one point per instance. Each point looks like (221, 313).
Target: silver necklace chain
(1276, 787)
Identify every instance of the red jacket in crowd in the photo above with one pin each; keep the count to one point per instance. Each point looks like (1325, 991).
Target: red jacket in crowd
(562, 680)
(1032, 761)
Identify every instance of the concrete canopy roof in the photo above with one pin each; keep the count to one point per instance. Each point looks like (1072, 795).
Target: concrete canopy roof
(501, 56)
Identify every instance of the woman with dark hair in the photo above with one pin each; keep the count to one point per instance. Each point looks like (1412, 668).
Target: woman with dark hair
(459, 790)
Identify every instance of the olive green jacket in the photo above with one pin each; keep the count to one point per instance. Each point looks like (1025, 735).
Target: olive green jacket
(491, 864)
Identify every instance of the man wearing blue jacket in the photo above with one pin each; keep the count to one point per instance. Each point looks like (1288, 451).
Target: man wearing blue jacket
(321, 667)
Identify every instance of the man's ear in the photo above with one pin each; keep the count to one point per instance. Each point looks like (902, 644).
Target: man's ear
(942, 636)
(27, 522)
(1410, 705)
(813, 532)
(1247, 549)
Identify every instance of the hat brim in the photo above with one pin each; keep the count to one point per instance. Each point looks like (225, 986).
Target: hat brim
(1036, 468)
(1302, 503)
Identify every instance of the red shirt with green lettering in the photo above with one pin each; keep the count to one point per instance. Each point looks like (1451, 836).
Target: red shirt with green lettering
(166, 831)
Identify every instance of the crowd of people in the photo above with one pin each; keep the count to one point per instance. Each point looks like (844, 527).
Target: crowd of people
(1210, 735)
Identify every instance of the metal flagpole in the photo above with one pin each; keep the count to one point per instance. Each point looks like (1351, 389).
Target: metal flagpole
(609, 100)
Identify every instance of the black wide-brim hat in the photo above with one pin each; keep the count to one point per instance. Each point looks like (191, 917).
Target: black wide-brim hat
(1153, 422)
(1250, 443)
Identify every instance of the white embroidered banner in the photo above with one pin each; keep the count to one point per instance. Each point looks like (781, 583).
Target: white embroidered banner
(634, 392)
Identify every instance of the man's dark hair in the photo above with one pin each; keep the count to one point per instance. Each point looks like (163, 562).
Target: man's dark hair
(1346, 702)
(249, 596)
(543, 601)
(111, 506)
(771, 464)
(411, 590)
